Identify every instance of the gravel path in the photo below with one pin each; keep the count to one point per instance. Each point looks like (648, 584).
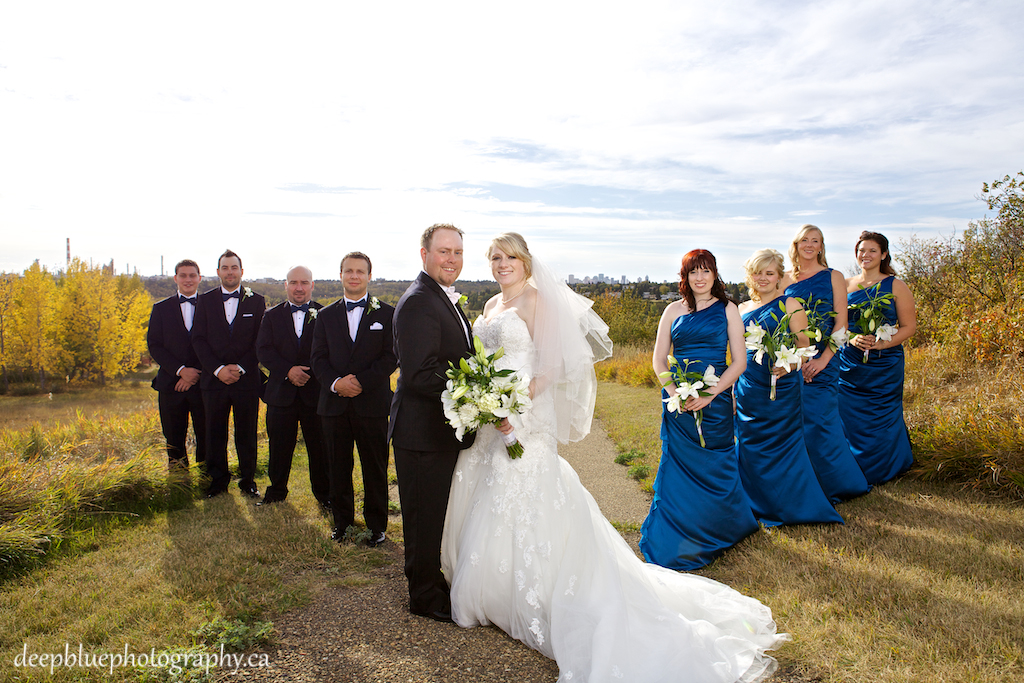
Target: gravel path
(366, 633)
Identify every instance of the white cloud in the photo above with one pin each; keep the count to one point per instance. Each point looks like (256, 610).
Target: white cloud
(606, 135)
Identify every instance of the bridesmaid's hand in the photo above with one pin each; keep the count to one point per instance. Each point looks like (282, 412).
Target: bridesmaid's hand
(779, 372)
(812, 367)
(699, 403)
(864, 341)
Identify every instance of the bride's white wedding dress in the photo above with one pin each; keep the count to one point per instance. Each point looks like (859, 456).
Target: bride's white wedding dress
(527, 549)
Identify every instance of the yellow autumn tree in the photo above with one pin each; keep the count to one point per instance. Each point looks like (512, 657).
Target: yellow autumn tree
(10, 285)
(102, 321)
(35, 308)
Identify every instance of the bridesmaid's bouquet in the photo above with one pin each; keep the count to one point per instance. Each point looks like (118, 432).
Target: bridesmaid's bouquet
(780, 346)
(818, 313)
(872, 316)
(688, 383)
(479, 394)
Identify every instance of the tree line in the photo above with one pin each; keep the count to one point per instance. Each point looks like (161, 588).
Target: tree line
(81, 323)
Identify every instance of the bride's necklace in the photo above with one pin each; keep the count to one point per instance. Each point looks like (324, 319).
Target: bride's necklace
(504, 301)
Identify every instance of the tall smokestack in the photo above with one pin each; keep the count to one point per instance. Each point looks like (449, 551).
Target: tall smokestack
(69, 251)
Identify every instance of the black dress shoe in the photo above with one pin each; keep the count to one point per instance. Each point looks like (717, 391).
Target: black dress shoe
(268, 500)
(213, 493)
(441, 615)
(338, 535)
(376, 538)
(251, 492)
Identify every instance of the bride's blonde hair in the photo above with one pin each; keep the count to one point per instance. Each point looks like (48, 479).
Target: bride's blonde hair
(513, 244)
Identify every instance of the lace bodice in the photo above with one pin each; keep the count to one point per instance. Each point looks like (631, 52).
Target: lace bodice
(509, 331)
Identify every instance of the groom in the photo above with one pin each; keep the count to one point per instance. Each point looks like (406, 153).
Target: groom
(430, 330)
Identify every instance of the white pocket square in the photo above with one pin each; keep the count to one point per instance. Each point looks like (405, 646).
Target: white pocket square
(376, 326)
(247, 315)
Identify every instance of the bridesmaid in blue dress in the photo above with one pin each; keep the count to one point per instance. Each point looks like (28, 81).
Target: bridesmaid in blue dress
(823, 292)
(871, 393)
(699, 508)
(774, 467)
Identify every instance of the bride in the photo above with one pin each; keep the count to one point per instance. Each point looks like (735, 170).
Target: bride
(525, 546)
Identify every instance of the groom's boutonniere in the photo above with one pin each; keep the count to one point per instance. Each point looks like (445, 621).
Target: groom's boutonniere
(463, 300)
(374, 303)
(313, 313)
(246, 293)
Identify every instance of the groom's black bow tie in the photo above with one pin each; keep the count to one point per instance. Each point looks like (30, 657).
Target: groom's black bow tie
(186, 300)
(349, 305)
(304, 308)
(224, 296)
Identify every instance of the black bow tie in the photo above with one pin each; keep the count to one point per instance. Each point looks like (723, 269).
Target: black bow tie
(186, 300)
(349, 305)
(224, 296)
(304, 308)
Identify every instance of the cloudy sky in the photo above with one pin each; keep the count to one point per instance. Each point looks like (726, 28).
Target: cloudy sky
(614, 139)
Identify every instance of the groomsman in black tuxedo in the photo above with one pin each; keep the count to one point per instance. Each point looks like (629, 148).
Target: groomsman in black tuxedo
(353, 356)
(177, 381)
(430, 331)
(292, 391)
(224, 336)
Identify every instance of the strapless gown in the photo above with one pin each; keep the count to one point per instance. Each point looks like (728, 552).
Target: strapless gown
(833, 462)
(526, 548)
(871, 402)
(774, 467)
(699, 509)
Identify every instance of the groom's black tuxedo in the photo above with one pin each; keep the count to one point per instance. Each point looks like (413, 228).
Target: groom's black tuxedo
(170, 345)
(430, 332)
(217, 343)
(360, 420)
(289, 406)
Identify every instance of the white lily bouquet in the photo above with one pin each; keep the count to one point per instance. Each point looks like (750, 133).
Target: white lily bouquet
(688, 383)
(817, 313)
(780, 346)
(479, 394)
(872, 316)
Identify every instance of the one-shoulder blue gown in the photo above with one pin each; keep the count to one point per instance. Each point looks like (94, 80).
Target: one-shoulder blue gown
(837, 470)
(774, 467)
(871, 401)
(699, 509)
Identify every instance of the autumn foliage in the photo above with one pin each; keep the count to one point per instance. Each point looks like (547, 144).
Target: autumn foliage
(969, 289)
(80, 323)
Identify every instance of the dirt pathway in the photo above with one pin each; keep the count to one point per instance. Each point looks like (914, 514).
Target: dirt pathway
(366, 634)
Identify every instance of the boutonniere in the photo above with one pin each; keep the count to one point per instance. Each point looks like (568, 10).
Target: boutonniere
(246, 293)
(463, 300)
(313, 313)
(374, 303)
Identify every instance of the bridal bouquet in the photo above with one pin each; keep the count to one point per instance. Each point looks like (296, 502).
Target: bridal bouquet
(780, 346)
(688, 383)
(872, 316)
(479, 394)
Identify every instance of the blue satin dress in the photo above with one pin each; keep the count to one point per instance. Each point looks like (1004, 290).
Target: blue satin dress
(871, 401)
(833, 462)
(774, 467)
(699, 509)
